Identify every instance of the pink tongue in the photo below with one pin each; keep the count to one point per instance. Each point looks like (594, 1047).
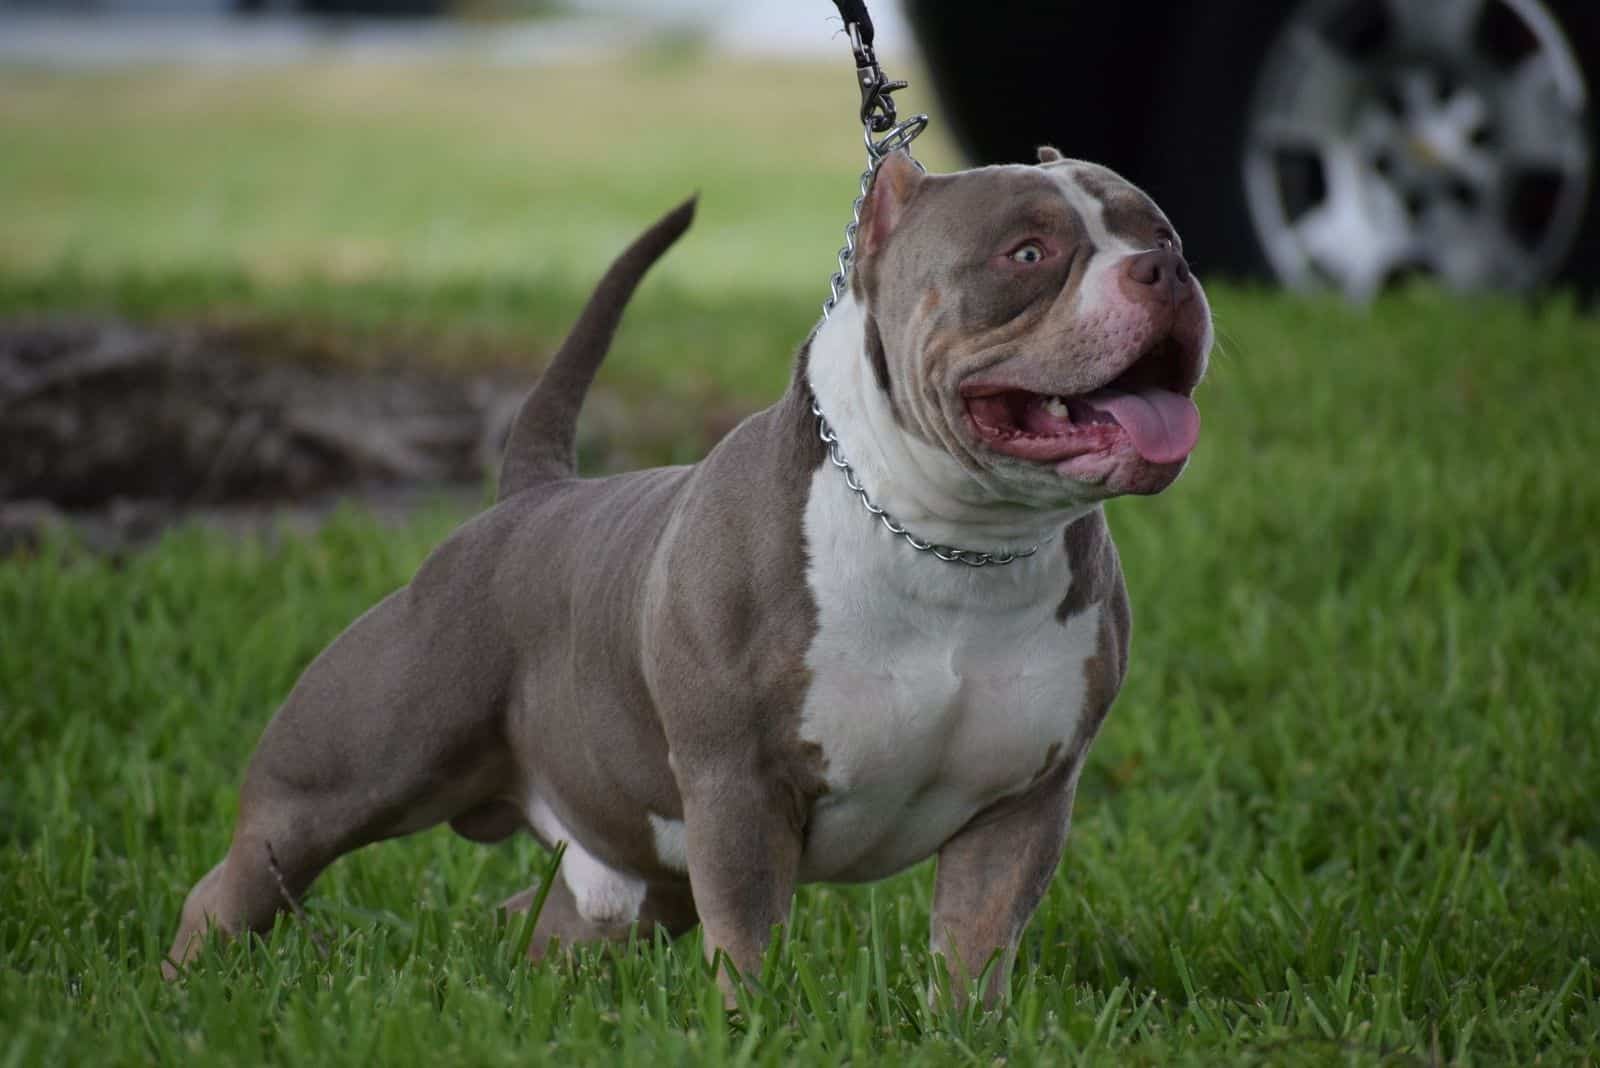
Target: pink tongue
(1163, 425)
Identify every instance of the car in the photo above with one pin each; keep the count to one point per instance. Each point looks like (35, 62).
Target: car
(1331, 143)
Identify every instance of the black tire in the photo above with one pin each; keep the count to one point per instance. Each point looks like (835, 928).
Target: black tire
(1095, 81)
(1011, 75)
(1190, 159)
(1580, 20)
(1160, 93)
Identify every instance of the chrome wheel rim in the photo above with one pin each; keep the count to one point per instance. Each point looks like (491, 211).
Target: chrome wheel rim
(1443, 137)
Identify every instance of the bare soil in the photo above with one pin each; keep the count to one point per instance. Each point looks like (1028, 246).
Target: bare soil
(120, 430)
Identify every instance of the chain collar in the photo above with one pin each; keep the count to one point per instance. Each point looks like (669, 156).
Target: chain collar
(878, 117)
(948, 553)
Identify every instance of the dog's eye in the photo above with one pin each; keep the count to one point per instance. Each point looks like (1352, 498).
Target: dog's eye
(1029, 253)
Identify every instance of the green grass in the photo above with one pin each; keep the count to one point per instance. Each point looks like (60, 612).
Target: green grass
(353, 173)
(1345, 810)
(463, 211)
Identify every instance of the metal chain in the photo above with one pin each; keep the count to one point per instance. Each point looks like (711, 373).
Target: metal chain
(899, 136)
(878, 116)
(948, 553)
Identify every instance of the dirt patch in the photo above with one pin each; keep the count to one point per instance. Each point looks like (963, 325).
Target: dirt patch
(121, 430)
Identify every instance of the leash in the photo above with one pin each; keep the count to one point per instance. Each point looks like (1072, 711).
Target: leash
(877, 117)
(883, 132)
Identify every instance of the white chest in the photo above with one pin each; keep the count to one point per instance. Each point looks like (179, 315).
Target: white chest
(936, 690)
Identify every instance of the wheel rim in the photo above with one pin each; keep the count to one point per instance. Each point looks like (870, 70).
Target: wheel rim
(1442, 137)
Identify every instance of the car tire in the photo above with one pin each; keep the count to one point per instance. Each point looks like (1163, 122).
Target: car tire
(1168, 98)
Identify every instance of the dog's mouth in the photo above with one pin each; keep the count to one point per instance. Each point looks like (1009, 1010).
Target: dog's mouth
(1146, 406)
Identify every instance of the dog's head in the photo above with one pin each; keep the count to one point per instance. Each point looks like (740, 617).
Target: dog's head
(1037, 323)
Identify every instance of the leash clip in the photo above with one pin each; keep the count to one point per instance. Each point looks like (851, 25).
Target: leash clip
(880, 130)
(877, 103)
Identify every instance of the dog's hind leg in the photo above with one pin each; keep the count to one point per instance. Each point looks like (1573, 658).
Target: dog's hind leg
(394, 728)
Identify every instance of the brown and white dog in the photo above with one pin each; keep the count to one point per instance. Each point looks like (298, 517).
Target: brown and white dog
(717, 681)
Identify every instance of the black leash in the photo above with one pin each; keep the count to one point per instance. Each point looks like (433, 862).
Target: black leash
(877, 103)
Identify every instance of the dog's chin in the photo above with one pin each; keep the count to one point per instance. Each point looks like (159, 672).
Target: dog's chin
(1101, 465)
(1063, 447)
(1118, 471)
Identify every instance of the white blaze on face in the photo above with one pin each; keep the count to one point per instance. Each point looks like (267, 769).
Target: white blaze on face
(1100, 297)
(1099, 293)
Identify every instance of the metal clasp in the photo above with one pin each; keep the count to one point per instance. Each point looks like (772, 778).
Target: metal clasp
(877, 101)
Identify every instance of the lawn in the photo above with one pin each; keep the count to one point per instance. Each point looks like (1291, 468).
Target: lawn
(1345, 811)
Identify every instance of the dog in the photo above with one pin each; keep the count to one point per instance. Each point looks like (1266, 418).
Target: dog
(714, 682)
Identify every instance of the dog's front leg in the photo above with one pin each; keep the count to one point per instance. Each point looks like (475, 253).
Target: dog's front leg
(743, 843)
(992, 875)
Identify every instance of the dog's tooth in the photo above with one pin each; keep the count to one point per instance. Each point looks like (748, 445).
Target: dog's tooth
(1057, 407)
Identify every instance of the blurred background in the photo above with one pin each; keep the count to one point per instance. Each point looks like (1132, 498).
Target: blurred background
(258, 198)
(282, 256)
(1335, 142)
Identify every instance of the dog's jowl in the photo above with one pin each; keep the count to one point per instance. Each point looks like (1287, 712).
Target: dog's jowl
(715, 682)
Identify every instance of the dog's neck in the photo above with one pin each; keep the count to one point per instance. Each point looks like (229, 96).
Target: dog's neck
(918, 484)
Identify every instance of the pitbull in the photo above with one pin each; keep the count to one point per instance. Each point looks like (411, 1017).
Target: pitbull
(714, 682)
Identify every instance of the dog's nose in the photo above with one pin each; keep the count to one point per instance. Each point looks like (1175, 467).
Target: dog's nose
(1163, 270)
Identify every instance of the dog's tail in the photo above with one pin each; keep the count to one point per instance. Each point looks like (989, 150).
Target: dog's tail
(542, 444)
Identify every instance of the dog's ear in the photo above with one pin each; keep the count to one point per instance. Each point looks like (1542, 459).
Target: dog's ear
(895, 183)
(1050, 154)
